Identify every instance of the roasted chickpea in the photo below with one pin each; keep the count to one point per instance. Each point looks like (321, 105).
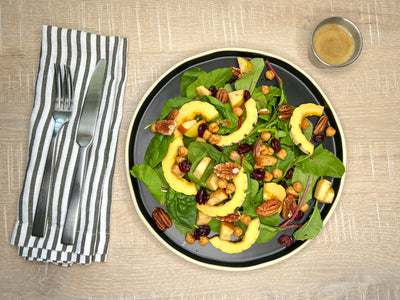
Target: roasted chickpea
(268, 177)
(175, 170)
(265, 135)
(298, 187)
(237, 111)
(183, 151)
(222, 183)
(203, 240)
(304, 207)
(265, 89)
(277, 173)
(213, 127)
(330, 131)
(245, 219)
(270, 75)
(281, 154)
(237, 231)
(207, 134)
(179, 159)
(214, 139)
(153, 128)
(230, 188)
(234, 155)
(189, 238)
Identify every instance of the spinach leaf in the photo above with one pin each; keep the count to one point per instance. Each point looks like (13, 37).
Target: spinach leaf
(214, 224)
(249, 80)
(182, 210)
(176, 102)
(301, 176)
(323, 163)
(311, 228)
(157, 149)
(151, 180)
(217, 77)
(225, 111)
(267, 233)
(199, 149)
(188, 77)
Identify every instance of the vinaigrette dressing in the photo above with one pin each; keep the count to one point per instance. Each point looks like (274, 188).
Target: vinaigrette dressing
(333, 44)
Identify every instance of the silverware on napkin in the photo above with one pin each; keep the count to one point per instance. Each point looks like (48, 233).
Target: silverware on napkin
(62, 107)
(84, 138)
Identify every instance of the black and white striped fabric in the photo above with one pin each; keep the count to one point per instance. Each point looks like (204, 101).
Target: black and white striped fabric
(80, 51)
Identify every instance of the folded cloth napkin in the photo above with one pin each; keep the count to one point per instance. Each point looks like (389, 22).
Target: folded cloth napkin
(80, 51)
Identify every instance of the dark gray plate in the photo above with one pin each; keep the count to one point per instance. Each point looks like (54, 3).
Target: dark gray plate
(299, 88)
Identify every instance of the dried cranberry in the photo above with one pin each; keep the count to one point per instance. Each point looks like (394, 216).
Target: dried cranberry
(276, 145)
(184, 166)
(213, 90)
(244, 148)
(286, 240)
(246, 95)
(289, 173)
(201, 129)
(318, 138)
(202, 196)
(299, 215)
(283, 183)
(200, 231)
(258, 174)
(219, 148)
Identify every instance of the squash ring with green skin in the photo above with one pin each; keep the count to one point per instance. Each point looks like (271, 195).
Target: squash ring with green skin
(228, 207)
(249, 238)
(297, 135)
(177, 183)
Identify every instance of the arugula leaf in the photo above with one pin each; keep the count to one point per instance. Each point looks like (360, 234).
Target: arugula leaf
(151, 180)
(182, 210)
(217, 77)
(176, 102)
(188, 77)
(157, 149)
(249, 80)
(323, 163)
(300, 175)
(311, 228)
(267, 233)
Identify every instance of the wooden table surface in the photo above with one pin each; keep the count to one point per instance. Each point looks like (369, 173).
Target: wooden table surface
(355, 256)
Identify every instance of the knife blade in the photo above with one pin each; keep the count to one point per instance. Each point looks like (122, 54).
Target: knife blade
(84, 138)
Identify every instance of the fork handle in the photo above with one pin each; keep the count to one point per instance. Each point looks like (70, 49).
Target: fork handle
(39, 222)
(71, 219)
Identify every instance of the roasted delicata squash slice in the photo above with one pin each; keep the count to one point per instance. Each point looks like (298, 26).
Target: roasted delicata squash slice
(240, 182)
(249, 238)
(301, 112)
(246, 126)
(177, 183)
(191, 109)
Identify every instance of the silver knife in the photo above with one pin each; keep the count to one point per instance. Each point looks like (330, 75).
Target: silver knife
(84, 138)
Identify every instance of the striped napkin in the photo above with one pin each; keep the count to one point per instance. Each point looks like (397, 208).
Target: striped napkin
(81, 51)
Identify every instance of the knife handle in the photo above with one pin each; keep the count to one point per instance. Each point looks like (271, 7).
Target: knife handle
(71, 219)
(39, 222)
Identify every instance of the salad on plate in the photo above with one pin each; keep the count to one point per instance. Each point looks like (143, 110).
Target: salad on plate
(232, 163)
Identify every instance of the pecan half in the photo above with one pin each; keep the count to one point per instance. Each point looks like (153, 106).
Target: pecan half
(236, 72)
(161, 218)
(165, 127)
(285, 112)
(263, 111)
(269, 208)
(257, 148)
(227, 170)
(233, 217)
(321, 124)
(222, 95)
(172, 114)
(289, 206)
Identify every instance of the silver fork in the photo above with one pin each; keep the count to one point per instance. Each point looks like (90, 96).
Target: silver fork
(62, 109)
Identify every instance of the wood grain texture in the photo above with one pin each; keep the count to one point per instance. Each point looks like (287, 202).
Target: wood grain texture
(356, 255)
